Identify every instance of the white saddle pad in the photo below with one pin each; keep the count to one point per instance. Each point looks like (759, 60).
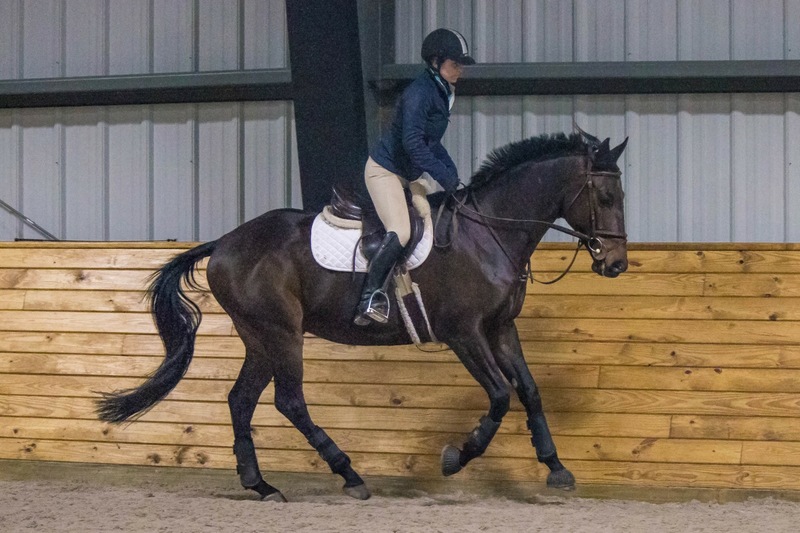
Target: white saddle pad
(333, 246)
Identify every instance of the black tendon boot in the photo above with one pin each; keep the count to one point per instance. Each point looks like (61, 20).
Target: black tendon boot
(374, 304)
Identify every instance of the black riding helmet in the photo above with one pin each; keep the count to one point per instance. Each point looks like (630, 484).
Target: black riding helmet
(445, 43)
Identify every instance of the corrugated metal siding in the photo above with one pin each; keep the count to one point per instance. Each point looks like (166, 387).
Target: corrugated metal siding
(186, 172)
(698, 168)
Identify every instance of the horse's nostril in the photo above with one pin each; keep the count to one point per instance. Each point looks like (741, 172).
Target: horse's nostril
(619, 266)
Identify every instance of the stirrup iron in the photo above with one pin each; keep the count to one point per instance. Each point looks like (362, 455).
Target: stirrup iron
(379, 307)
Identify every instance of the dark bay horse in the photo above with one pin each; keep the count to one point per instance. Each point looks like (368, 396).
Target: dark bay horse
(264, 276)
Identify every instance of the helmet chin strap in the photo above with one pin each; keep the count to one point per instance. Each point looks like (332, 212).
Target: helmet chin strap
(443, 83)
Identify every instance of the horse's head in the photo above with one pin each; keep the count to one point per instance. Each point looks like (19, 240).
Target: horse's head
(595, 207)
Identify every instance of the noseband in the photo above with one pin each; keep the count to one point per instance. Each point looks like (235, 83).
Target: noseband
(593, 242)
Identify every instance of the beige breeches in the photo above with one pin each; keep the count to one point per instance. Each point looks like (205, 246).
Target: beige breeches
(386, 190)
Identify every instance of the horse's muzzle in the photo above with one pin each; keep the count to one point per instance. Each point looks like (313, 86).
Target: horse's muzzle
(610, 270)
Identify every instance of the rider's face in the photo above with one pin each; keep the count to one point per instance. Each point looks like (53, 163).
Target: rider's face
(451, 71)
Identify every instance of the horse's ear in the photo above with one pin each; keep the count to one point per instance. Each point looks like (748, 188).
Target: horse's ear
(591, 139)
(617, 150)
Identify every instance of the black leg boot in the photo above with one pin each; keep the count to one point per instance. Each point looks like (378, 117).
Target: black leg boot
(369, 308)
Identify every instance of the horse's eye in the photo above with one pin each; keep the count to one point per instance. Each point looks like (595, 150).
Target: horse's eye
(606, 200)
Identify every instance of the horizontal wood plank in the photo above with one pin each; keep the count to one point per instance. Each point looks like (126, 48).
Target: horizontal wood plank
(661, 307)
(100, 322)
(644, 474)
(26, 409)
(382, 441)
(652, 330)
(705, 379)
(437, 397)
(734, 427)
(315, 371)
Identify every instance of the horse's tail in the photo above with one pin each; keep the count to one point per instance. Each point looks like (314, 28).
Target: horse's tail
(177, 319)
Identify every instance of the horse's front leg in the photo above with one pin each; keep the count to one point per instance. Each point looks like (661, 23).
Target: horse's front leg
(508, 351)
(477, 357)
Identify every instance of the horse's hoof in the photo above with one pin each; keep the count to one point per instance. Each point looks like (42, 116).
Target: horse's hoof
(450, 460)
(359, 492)
(561, 479)
(276, 496)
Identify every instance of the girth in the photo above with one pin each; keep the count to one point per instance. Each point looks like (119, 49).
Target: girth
(344, 204)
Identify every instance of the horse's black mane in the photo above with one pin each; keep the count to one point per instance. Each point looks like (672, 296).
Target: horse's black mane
(540, 148)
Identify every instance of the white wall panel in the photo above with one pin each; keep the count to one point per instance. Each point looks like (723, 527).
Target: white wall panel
(173, 35)
(84, 173)
(265, 40)
(129, 173)
(10, 171)
(174, 188)
(758, 150)
(651, 30)
(704, 168)
(218, 169)
(757, 29)
(42, 166)
(41, 43)
(792, 29)
(792, 162)
(652, 198)
(218, 35)
(85, 43)
(265, 157)
(547, 31)
(10, 39)
(129, 31)
(704, 31)
(599, 30)
(495, 19)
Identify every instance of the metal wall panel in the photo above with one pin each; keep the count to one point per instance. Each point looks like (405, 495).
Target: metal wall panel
(10, 45)
(186, 172)
(173, 36)
(792, 162)
(83, 167)
(42, 169)
(10, 169)
(174, 153)
(704, 30)
(218, 37)
(42, 27)
(698, 167)
(757, 29)
(129, 170)
(757, 154)
(704, 168)
(130, 28)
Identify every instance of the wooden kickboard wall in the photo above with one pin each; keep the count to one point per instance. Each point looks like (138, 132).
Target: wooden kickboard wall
(683, 372)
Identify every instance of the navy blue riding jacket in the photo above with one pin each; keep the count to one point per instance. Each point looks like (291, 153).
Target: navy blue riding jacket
(412, 145)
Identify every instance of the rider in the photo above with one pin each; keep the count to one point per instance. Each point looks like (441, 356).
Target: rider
(411, 146)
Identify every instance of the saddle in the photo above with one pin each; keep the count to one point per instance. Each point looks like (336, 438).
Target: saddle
(344, 205)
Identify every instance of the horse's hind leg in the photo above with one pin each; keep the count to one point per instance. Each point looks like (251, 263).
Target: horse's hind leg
(290, 401)
(477, 357)
(254, 377)
(508, 351)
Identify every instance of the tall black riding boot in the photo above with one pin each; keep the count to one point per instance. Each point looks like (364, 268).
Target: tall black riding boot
(374, 303)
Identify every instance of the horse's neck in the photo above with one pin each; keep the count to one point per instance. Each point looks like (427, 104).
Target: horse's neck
(534, 191)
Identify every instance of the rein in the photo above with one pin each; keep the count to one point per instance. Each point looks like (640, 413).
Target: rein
(593, 243)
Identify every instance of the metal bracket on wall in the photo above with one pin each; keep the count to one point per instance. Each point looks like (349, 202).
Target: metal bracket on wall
(28, 221)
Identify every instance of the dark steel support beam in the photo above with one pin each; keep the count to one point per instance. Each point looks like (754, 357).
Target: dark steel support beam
(649, 77)
(325, 54)
(238, 86)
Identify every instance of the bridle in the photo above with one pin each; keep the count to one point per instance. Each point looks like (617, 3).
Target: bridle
(594, 242)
